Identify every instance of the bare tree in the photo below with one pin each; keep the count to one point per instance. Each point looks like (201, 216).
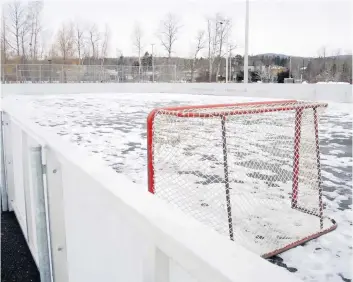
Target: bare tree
(212, 41)
(24, 33)
(335, 66)
(322, 56)
(53, 50)
(218, 30)
(86, 53)
(94, 38)
(105, 43)
(17, 18)
(79, 41)
(231, 63)
(200, 44)
(137, 42)
(66, 43)
(4, 39)
(222, 34)
(34, 18)
(169, 29)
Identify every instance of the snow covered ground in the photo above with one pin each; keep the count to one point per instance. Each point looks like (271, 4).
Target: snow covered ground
(114, 127)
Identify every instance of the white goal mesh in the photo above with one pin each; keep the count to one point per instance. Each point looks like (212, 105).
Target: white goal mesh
(250, 171)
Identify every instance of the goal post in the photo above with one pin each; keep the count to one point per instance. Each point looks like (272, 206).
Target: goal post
(251, 171)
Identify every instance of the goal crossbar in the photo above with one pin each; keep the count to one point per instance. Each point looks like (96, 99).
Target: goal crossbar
(211, 111)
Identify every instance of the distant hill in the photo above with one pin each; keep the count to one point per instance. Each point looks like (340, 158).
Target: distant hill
(304, 57)
(273, 55)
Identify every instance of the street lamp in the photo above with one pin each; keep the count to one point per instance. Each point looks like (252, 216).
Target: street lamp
(30, 50)
(246, 60)
(227, 52)
(49, 61)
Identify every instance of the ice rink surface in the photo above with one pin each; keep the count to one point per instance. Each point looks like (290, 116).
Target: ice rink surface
(113, 126)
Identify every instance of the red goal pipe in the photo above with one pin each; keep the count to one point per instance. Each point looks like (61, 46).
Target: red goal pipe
(179, 112)
(150, 165)
(180, 108)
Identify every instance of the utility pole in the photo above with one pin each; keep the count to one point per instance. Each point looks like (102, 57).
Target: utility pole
(117, 66)
(227, 50)
(152, 64)
(246, 60)
(290, 66)
(230, 62)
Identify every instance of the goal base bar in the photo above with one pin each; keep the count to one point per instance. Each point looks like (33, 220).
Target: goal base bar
(302, 241)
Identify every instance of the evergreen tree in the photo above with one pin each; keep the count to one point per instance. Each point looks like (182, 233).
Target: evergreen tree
(240, 76)
(121, 60)
(334, 70)
(255, 76)
(282, 75)
(146, 60)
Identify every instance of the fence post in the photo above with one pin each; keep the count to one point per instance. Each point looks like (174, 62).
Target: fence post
(122, 73)
(16, 73)
(8, 159)
(4, 198)
(50, 69)
(175, 71)
(40, 214)
(40, 73)
(152, 72)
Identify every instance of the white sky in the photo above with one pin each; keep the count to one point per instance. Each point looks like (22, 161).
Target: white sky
(289, 27)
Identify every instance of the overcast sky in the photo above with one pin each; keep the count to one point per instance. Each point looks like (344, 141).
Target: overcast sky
(289, 27)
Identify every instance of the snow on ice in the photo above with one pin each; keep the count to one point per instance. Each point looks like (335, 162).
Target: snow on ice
(113, 126)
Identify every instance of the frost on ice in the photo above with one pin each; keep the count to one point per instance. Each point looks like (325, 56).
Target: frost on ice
(113, 126)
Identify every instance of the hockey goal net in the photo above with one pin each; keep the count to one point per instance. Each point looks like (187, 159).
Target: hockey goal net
(251, 171)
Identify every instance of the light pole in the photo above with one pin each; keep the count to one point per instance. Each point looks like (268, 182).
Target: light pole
(246, 60)
(30, 67)
(230, 62)
(30, 51)
(290, 67)
(227, 48)
(50, 70)
(227, 60)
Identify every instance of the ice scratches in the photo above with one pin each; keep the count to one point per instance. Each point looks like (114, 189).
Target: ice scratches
(280, 174)
(125, 116)
(269, 179)
(208, 158)
(132, 146)
(209, 178)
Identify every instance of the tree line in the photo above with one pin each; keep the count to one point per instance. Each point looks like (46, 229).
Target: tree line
(22, 41)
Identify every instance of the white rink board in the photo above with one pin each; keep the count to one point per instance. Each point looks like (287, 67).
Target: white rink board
(317, 92)
(115, 231)
(112, 126)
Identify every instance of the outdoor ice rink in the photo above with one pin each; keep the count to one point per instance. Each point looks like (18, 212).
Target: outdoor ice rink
(113, 126)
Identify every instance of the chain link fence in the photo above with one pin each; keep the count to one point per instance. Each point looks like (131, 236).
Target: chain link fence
(55, 73)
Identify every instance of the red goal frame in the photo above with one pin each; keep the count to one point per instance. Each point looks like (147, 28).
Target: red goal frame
(279, 105)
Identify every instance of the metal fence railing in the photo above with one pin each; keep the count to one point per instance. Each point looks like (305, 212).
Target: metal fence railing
(56, 73)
